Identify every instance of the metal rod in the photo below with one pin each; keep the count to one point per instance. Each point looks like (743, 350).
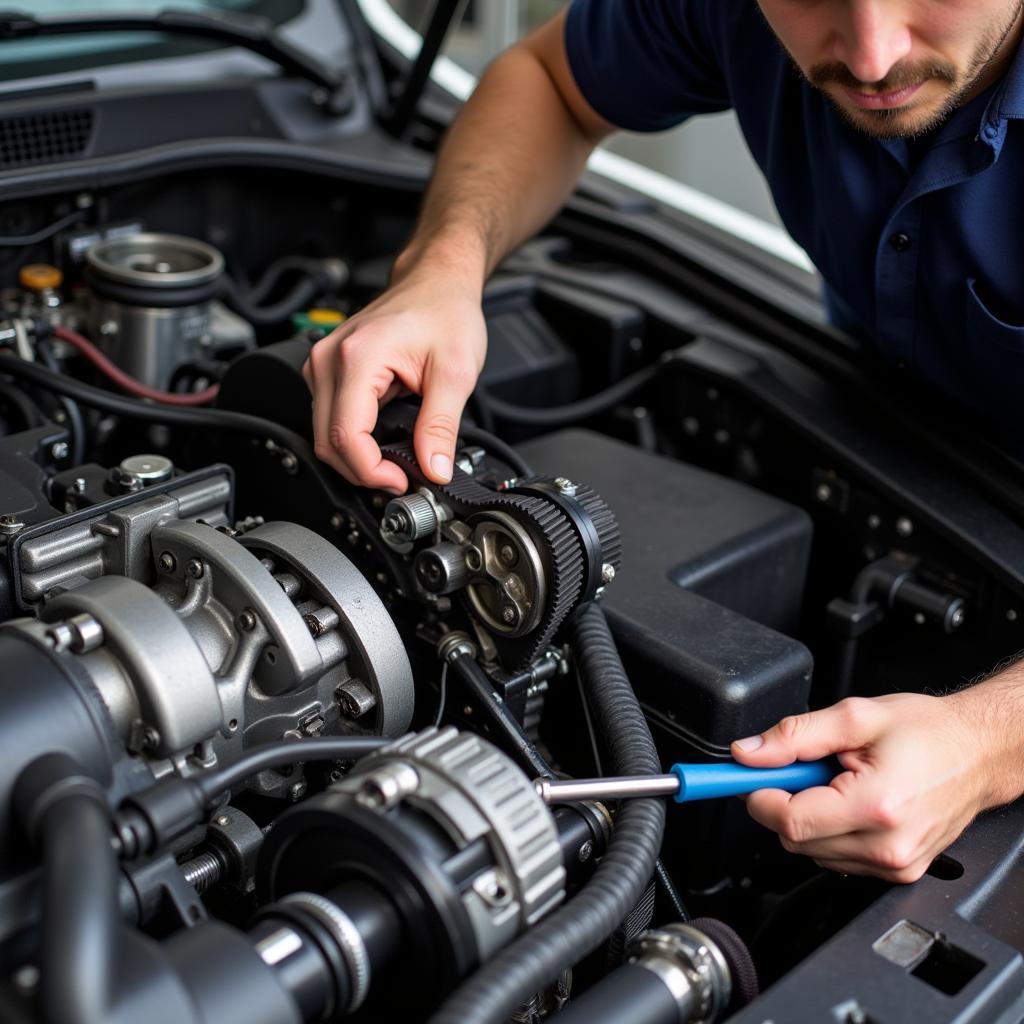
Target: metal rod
(556, 791)
(445, 14)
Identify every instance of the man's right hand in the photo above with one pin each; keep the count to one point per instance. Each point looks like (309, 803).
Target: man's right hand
(426, 335)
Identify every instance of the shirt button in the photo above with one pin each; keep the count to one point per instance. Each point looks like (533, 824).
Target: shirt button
(901, 241)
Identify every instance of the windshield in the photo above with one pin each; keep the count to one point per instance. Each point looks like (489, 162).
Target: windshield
(24, 58)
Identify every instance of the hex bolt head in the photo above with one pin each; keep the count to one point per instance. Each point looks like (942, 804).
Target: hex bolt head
(607, 572)
(509, 614)
(195, 568)
(354, 698)
(167, 562)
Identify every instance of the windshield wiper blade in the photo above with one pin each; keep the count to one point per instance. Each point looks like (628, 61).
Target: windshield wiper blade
(251, 32)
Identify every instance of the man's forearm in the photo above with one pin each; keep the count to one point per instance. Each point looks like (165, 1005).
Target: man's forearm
(507, 164)
(993, 713)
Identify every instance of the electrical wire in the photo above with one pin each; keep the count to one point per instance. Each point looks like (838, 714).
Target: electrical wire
(43, 233)
(213, 782)
(564, 415)
(495, 445)
(442, 695)
(125, 381)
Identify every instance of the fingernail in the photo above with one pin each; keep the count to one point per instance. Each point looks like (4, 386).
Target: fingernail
(441, 465)
(750, 743)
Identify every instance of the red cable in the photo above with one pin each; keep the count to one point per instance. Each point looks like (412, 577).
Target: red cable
(126, 382)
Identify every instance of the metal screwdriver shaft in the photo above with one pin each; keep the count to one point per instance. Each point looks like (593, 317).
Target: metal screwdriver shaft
(686, 782)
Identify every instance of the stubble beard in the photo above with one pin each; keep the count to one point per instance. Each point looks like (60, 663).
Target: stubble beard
(893, 124)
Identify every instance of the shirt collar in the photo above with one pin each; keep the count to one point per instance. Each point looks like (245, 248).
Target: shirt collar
(1007, 102)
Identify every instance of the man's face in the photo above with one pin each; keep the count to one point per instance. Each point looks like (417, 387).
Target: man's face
(898, 67)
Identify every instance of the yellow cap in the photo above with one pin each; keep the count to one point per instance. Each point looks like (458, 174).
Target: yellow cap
(37, 276)
(323, 317)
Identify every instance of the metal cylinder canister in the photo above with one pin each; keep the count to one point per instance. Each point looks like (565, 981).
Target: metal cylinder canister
(152, 298)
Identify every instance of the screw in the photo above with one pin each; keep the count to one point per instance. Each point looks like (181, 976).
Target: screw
(956, 620)
(195, 568)
(60, 450)
(247, 621)
(108, 327)
(10, 525)
(223, 820)
(507, 554)
(565, 485)
(168, 563)
(337, 521)
(585, 851)
(297, 790)
(509, 614)
(79, 485)
(607, 572)
(904, 527)
(823, 493)
(289, 463)
(150, 738)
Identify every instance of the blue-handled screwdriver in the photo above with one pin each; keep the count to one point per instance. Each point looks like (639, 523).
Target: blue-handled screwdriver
(685, 782)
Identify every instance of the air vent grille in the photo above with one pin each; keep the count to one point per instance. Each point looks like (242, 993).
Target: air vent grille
(44, 138)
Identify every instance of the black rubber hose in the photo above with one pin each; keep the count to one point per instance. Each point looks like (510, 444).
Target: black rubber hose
(76, 422)
(539, 956)
(151, 412)
(17, 401)
(565, 415)
(299, 296)
(64, 812)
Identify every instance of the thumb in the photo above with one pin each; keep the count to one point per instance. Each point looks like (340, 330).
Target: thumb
(848, 725)
(446, 389)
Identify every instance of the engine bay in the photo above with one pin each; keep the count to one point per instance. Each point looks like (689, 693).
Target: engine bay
(272, 739)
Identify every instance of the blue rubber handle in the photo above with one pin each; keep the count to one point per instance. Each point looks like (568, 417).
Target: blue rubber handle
(707, 781)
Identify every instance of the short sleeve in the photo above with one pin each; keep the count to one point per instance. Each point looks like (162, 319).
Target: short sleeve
(646, 65)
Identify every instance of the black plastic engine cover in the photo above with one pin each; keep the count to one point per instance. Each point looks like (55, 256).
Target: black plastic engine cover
(711, 571)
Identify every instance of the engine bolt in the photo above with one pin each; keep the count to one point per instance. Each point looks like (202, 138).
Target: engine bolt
(247, 621)
(289, 463)
(10, 525)
(904, 526)
(823, 493)
(509, 614)
(337, 521)
(297, 790)
(607, 572)
(585, 851)
(168, 563)
(508, 554)
(354, 699)
(60, 450)
(565, 485)
(195, 568)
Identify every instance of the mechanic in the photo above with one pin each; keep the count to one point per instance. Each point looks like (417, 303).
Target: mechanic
(887, 132)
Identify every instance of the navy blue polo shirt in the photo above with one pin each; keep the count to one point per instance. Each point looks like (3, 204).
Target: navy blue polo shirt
(925, 250)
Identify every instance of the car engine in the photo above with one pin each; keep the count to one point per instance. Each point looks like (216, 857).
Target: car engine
(271, 740)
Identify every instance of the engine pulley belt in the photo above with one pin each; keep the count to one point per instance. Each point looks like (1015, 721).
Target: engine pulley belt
(573, 541)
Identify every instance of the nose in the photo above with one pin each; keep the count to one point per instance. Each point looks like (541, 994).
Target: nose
(874, 38)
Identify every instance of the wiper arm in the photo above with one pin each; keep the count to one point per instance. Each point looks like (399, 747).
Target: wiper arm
(251, 32)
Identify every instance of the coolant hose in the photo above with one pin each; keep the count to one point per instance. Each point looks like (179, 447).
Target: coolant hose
(65, 812)
(540, 955)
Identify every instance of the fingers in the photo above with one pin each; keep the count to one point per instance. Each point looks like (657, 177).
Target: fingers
(346, 401)
(817, 813)
(446, 388)
(848, 725)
